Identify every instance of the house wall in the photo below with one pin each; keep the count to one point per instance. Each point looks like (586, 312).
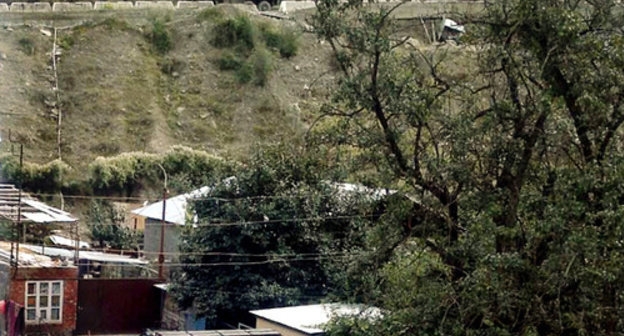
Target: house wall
(151, 239)
(135, 222)
(69, 275)
(285, 331)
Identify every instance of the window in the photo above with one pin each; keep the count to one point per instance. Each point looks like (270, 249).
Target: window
(44, 302)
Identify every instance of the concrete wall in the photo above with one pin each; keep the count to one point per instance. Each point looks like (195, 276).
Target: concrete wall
(151, 239)
(4, 7)
(154, 4)
(30, 7)
(116, 5)
(69, 275)
(71, 6)
(290, 6)
(285, 331)
(194, 4)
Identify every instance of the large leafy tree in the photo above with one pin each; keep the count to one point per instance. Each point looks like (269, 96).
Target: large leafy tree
(511, 147)
(262, 237)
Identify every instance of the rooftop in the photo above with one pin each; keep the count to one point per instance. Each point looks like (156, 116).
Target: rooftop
(45, 256)
(31, 209)
(28, 258)
(310, 319)
(175, 208)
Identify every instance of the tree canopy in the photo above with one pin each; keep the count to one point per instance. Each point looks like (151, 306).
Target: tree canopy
(511, 144)
(263, 236)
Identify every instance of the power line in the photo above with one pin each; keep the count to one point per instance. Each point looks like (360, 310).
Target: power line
(224, 263)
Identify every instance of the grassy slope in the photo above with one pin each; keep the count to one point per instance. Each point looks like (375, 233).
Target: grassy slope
(119, 95)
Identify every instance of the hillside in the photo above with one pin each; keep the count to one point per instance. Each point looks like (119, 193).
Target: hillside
(119, 93)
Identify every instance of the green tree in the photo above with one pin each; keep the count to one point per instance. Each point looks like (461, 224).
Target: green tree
(105, 223)
(263, 236)
(514, 158)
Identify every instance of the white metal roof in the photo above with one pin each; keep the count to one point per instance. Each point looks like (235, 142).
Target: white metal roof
(310, 319)
(175, 209)
(83, 255)
(62, 241)
(31, 209)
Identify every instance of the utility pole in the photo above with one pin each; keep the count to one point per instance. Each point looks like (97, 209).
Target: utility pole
(161, 255)
(19, 228)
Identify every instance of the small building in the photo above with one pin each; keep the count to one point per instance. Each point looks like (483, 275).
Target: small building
(176, 216)
(46, 289)
(101, 293)
(307, 320)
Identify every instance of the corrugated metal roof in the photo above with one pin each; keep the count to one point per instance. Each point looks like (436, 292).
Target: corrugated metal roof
(62, 241)
(31, 209)
(84, 255)
(175, 209)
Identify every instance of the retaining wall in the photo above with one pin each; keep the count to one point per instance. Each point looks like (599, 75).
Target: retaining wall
(30, 7)
(194, 4)
(414, 7)
(117, 5)
(71, 6)
(154, 4)
(24, 7)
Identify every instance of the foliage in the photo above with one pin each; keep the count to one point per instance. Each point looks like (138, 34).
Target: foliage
(105, 224)
(281, 258)
(7, 231)
(262, 64)
(285, 41)
(36, 177)
(249, 58)
(129, 171)
(516, 168)
(229, 61)
(235, 33)
(160, 37)
(27, 46)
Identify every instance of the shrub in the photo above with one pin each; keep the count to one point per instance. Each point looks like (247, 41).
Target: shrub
(244, 73)
(160, 37)
(128, 172)
(229, 61)
(26, 45)
(262, 65)
(37, 177)
(289, 44)
(285, 41)
(237, 32)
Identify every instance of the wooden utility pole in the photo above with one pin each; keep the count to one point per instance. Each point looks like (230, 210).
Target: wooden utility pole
(161, 255)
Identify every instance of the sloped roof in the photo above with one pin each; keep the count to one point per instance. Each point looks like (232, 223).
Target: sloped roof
(175, 208)
(31, 209)
(310, 319)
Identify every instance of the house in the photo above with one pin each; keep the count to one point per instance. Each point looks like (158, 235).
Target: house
(101, 293)
(307, 320)
(176, 216)
(46, 288)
